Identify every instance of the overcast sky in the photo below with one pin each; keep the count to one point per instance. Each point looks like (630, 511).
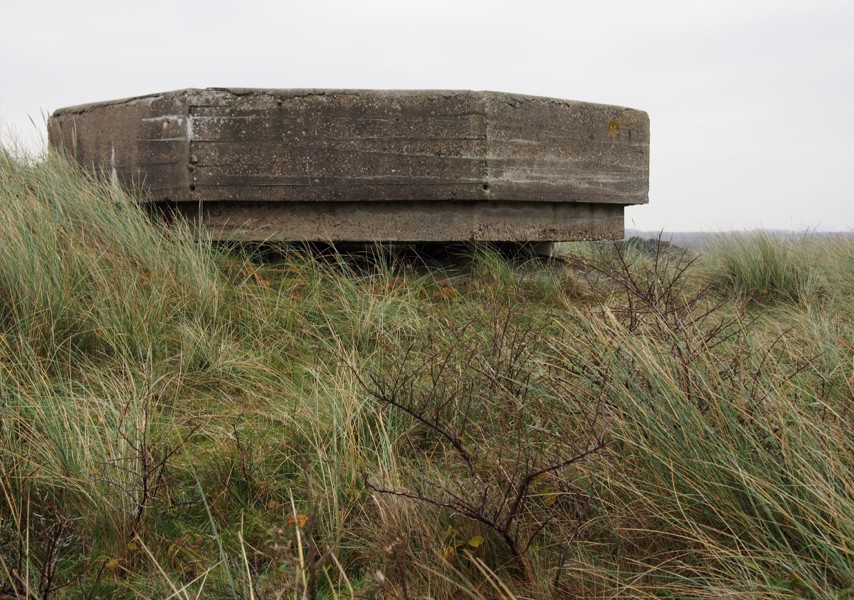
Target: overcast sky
(751, 103)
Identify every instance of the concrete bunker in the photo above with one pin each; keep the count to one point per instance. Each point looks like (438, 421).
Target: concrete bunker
(370, 165)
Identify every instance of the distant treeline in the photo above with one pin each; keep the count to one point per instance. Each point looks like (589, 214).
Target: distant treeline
(699, 240)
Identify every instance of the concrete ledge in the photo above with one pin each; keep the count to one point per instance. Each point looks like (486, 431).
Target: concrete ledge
(403, 221)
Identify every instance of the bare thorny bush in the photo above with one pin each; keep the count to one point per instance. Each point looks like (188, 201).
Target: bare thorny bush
(501, 427)
(40, 535)
(652, 287)
(654, 299)
(503, 410)
(34, 563)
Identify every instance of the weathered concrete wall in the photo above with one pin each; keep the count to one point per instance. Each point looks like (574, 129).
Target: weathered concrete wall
(264, 156)
(141, 140)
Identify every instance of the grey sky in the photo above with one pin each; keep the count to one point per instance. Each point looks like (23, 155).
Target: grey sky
(750, 102)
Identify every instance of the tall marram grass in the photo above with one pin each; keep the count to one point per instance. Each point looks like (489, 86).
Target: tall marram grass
(82, 264)
(761, 267)
(726, 479)
(181, 421)
(91, 298)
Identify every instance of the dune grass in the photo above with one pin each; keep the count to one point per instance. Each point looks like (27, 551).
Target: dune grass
(181, 420)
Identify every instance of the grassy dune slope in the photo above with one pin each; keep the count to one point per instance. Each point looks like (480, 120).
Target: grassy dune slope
(180, 421)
